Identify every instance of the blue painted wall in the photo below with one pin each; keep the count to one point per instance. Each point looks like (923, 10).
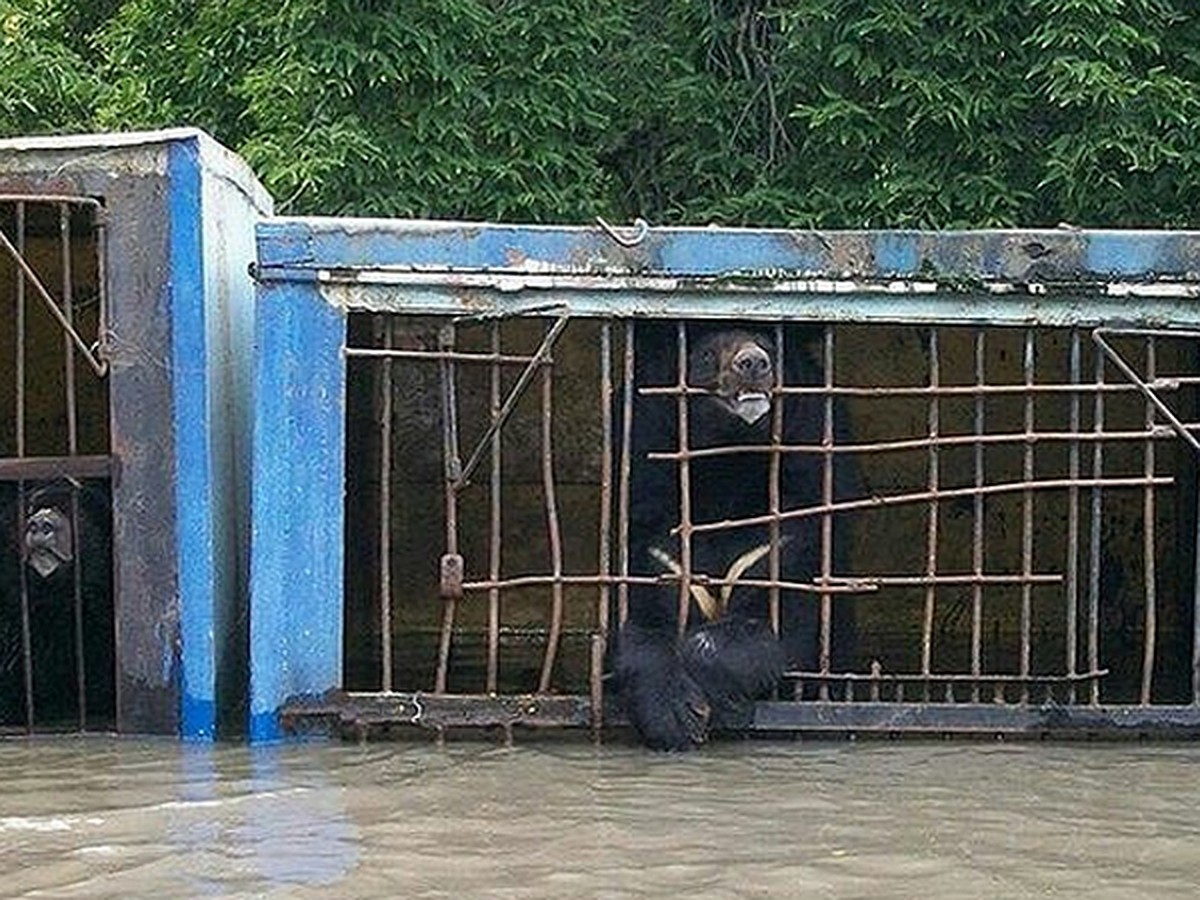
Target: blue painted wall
(298, 486)
(213, 205)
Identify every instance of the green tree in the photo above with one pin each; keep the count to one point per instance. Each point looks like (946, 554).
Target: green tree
(815, 113)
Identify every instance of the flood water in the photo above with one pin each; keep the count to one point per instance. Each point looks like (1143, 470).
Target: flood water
(97, 817)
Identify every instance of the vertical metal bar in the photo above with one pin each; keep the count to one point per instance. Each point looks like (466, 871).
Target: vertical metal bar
(1196, 596)
(552, 523)
(1072, 565)
(1094, 540)
(826, 619)
(977, 523)
(385, 511)
(453, 471)
(603, 602)
(26, 625)
(64, 228)
(1027, 517)
(20, 373)
(931, 534)
(1151, 630)
(494, 547)
(623, 477)
(773, 483)
(685, 481)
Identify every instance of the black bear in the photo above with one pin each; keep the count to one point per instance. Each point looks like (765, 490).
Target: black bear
(674, 689)
(43, 549)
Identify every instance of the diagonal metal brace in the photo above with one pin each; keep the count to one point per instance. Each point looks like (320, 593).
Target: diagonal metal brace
(1128, 371)
(99, 366)
(540, 358)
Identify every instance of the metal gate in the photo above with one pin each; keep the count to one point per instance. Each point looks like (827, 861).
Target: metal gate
(56, 597)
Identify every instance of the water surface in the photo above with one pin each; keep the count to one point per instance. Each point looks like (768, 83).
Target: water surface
(94, 817)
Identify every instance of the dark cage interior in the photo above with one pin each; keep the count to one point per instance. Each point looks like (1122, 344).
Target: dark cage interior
(950, 514)
(57, 643)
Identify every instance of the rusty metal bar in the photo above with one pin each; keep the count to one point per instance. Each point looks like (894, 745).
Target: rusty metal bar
(939, 677)
(604, 554)
(453, 477)
(1146, 388)
(1027, 514)
(977, 521)
(931, 532)
(623, 475)
(99, 366)
(493, 358)
(827, 441)
(839, 584)
(1196, 595)
(540, 358)
(385, 512)
(71, 199)
(64, 224)
(1151, 630)
(922, 496)
(1072, 564)
(552, 523)
(962, 390)
(685, 482)
(1159, 433)
(49, 468)
(1094, 537)
(23, 579)
(494, 530)
(21, 326)
(773, 500)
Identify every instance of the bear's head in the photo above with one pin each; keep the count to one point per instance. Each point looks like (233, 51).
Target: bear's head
(737, 370)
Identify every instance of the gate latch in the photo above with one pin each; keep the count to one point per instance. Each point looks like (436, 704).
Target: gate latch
(452, 577)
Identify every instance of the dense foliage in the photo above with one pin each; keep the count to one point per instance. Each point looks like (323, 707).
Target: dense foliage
(830, 113)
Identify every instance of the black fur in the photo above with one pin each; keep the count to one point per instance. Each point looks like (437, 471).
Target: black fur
(741, 659)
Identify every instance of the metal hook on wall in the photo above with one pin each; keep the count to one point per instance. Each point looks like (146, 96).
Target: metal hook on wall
(642, 231)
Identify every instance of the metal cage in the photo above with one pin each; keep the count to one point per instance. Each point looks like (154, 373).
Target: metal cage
(448, 544)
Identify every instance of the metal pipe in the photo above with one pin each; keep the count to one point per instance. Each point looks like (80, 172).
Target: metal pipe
(1027, 516)
(1095, 531)
(931, 531)
(773, 500)
(1072, 564)
(685, 482)
(827, 441)
(977, 521)
(604, 554)
(64, 226)
(552, 523)
(494, 530)
(1151, 605)
(453, 473)
(385, 512)
(624, 474)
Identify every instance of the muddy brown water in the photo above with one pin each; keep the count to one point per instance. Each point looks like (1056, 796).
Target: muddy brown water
(98, 817)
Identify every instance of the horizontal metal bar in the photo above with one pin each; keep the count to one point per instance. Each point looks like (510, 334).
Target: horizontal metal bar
(339, 711)
(1170, 383)
(919, 497)
(673, 299)
(1159, 433)
(850, 585)
(456, 355)
(943, 677)
(48, 468)
(442, 710)
(73, 199)
(983, 719)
